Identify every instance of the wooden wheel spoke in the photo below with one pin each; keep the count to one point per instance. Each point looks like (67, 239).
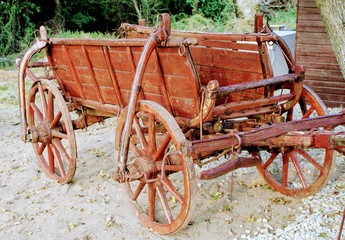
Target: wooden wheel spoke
(56, 120)
(289, 115)
(161, 150)
(41, 148)
(151, 201)
(270, 160)
(164, 202)
(307, 156)
(309, 112)
(51, 159)
(285, 170)
(43, 99)
(57, 143)
(298, 168)
(303, 105)
(152, 147)
(135, 149)
(50, 114)
(140, 133)
(58, 134)
(37, 111)
(174, 168)
(138, 190)
(57, 157)
(170, 187)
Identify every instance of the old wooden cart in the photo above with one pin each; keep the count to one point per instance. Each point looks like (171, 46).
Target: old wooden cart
(183, 98)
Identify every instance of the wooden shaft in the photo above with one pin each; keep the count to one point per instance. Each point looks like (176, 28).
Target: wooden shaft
(260, 134)
(224, 91)
(228, 166)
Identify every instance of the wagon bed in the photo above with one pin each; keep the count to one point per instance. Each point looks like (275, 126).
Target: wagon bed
(182, 98)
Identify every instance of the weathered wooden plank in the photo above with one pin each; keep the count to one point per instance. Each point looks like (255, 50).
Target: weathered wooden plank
(227, 59)
(312, 35)
(324, 71)
(314, 41)
(318, 59)
(332, 97)
(328, 90)
(310, 17)
(309, 10)
(316, 29)
(307, 4)
(238, 45)
(315, 49)
(226, 76)
(309, 23)
(320, 65)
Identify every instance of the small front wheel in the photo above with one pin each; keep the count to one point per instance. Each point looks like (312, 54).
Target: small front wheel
(298, 171)
(52, 132)
(163, 181)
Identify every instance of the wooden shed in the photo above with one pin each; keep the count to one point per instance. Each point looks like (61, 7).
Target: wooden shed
(314, 50)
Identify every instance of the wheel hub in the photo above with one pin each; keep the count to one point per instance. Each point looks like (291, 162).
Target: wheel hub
(146, 166)
(40, 133)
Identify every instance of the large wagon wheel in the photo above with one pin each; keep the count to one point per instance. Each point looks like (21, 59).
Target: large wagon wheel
(163, 185)
(52, 132)
(299, 171)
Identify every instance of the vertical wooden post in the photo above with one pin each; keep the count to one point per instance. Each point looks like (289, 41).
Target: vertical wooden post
(142, 22)
(259, 22)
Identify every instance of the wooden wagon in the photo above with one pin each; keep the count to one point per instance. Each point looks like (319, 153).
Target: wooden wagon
(182, 99)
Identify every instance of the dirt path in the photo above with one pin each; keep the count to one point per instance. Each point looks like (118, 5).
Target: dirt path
(237, 205)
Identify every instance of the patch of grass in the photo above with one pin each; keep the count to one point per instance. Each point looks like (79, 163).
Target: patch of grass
(280, 201)
(8, 93)
(8, 62)
(82, 34)
(198, 22)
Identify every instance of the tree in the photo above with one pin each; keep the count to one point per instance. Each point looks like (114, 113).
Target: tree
(16, 25)
(333, 14)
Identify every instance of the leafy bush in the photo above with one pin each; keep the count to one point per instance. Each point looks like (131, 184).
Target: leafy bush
(16, 26)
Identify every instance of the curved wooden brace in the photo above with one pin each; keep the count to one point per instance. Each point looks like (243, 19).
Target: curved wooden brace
(160, 36)
(24, 62)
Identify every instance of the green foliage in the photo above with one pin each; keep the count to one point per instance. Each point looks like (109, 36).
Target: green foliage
(217, 10)
(90, 18)
(287, 17)
(196, 22)
(81, 34)
(208, 15)
(16, 26)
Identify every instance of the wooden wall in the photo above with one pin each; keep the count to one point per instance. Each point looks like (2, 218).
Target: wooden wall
(314, 50)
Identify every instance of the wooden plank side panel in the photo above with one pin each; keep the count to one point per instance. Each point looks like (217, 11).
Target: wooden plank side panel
(62, 70)
(181, 84)
(225, 76)
(228, 59)
(183, 89)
